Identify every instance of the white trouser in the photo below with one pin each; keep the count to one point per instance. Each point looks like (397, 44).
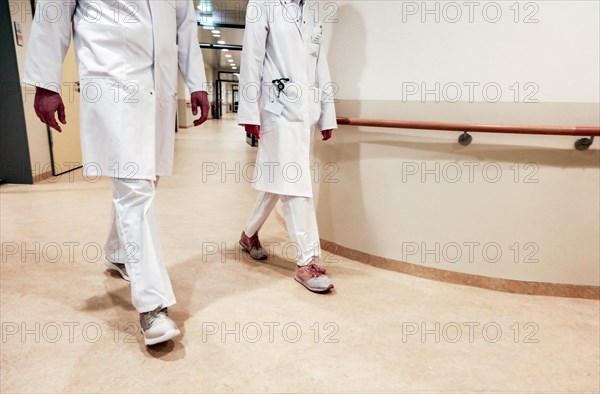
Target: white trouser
(300, 219)
(133, 241)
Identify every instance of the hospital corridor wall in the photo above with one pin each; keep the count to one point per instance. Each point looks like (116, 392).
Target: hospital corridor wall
(509, 212)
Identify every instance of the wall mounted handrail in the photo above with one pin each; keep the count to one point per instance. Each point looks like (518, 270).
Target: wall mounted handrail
(465, 138)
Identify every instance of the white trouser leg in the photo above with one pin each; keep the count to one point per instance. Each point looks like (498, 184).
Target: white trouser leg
(301, 222)
(263, 207)
(133, 240)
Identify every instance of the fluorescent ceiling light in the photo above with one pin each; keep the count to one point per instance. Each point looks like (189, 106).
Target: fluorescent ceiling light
(204, 5)
(225, 50)
(227, 55)
(215, 32)
(221, 42)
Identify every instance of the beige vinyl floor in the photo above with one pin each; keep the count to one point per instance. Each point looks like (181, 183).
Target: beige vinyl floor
(68, 325)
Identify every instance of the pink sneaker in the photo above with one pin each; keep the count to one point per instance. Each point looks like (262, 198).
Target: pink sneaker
(313, 278)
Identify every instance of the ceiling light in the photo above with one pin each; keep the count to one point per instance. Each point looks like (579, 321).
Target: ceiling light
(227, 55)
(225, 50)
(230, 60)
(221, 42)
(215, 32)
(204, 5)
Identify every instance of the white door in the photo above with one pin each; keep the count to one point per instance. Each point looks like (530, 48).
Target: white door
(65, 147)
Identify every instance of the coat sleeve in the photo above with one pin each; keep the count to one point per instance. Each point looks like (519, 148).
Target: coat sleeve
(327, 120)
(189, 55)
(253, 57)
(48, 43)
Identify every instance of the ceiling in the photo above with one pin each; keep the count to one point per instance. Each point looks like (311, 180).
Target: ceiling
(219, 12)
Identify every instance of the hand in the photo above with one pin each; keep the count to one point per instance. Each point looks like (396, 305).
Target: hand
(253, 129)
(46, 104)
(327, 134)
(200, 98)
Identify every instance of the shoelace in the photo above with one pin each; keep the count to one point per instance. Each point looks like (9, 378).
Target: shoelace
(149, 317)
(316, 270)
(255, 242)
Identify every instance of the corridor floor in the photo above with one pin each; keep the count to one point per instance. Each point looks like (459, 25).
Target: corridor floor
(68, 325)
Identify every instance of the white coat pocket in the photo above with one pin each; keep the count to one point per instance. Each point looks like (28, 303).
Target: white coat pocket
(294, 109)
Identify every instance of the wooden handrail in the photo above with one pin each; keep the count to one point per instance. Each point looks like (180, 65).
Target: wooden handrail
(583, 131)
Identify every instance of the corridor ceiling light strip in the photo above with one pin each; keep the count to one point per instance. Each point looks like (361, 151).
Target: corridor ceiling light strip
(224, 48)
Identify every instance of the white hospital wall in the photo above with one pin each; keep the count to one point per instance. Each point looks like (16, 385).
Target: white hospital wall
(419, 196)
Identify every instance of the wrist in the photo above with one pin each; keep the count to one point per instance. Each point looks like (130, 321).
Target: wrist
(44, 92)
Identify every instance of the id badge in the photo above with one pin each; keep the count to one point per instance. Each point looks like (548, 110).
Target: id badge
(275, 107)
(318, 35)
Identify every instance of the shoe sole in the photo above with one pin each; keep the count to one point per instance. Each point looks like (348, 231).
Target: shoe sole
(313, 289)
(246, 249)
(114, 267)
(163, 338)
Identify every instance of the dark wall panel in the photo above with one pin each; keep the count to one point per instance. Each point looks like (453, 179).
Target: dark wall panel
(15, 165)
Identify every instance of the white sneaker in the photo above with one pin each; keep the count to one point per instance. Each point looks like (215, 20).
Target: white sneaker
(157, 327)
(120, 268)
(313, 278)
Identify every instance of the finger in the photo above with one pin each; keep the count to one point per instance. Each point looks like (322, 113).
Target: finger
(204, 109)
(44, 117)
(41, 114)
(53, 123)
(61, 114)
(202, 119)
(194, 106)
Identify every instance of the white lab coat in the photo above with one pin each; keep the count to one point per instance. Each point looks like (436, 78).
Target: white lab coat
(127, 53)
(277, 45)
